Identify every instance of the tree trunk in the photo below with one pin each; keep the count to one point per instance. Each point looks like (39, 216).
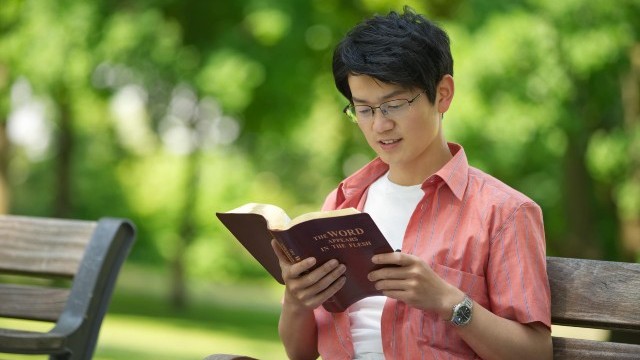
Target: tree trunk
(630, 220)
(187, 231)
(5, 148)
(580, 240)
(62, 205)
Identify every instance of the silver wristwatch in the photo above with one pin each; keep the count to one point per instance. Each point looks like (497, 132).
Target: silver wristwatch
(462, 312)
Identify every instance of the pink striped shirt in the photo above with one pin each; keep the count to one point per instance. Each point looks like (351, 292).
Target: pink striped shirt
(476, 233)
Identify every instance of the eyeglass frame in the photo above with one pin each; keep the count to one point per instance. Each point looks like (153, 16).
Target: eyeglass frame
(353, 117)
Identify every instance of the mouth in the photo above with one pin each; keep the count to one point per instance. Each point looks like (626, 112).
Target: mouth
(389, 142)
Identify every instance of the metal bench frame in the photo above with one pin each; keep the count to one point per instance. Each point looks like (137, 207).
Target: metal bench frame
(88, 252)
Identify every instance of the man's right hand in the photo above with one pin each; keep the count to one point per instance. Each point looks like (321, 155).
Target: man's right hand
(306, 289)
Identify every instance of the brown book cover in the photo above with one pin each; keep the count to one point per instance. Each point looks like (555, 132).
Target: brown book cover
(347, 235)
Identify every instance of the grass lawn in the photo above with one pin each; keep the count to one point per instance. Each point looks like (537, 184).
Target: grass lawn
(130, 337)
(240, 319)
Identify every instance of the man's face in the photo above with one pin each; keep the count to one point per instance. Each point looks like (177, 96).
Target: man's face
(409, 143)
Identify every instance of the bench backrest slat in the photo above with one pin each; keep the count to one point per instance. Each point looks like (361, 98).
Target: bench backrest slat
(579, 349)
(38, 246)
(597, 294)
(32, 303)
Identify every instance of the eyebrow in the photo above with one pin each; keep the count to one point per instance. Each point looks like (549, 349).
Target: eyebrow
(390, 96)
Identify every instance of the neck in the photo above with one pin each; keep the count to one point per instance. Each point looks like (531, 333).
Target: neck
(414, 174)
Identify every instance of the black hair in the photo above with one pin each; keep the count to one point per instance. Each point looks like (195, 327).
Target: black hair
(403, 49)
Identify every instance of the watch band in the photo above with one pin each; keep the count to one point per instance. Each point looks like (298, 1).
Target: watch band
(462, 312)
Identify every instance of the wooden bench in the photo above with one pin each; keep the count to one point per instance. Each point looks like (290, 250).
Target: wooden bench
(37, 256)
(594, 294)
(587, 294)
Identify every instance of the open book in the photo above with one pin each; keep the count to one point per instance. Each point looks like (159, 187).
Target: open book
(347, 235)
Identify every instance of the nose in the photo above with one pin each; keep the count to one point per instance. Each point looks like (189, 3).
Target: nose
(381, 122)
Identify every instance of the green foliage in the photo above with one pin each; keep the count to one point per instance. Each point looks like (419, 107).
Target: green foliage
(231, 77)
(538, 104)
(542, 107)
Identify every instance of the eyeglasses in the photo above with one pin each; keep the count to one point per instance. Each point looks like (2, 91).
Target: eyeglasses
(392, 108)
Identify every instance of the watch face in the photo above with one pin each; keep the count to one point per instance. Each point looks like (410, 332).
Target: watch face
(464, 314)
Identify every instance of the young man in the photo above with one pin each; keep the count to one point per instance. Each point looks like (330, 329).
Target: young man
(470, 281)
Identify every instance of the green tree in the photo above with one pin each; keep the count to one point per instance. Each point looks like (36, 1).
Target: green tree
(543, 89)
(167, 111)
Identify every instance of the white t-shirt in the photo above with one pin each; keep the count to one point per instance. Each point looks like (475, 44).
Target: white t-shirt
(391, 206)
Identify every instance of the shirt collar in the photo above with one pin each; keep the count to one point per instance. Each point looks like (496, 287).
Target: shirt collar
(454, 174)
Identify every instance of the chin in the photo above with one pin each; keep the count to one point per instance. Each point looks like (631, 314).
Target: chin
(383, 157)
(387, 160)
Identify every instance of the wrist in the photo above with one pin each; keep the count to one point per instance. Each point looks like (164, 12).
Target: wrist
(292, 305)
(462, 312)
(449, 301)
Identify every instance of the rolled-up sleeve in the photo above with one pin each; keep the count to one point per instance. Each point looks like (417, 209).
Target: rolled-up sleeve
(517, 282)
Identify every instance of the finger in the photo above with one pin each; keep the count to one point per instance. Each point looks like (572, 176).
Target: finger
(326, 275)
(289, 269)
(279, 253)
(282, 257)
(313, 288)
(326, 288)
(391, 285)
(396, 294)
(331, 290)
(394, 258)
(322, 271)
(388, 273)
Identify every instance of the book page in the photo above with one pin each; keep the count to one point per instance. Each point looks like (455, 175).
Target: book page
(276, 217)
(321, 214)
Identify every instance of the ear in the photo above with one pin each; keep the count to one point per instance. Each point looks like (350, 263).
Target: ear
(444, 93)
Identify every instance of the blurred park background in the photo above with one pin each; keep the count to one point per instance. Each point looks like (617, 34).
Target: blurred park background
(167, 111)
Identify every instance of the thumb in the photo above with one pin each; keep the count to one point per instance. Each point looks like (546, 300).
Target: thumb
(282, 257)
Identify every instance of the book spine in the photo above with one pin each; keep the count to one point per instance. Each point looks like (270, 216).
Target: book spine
(285, 245)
